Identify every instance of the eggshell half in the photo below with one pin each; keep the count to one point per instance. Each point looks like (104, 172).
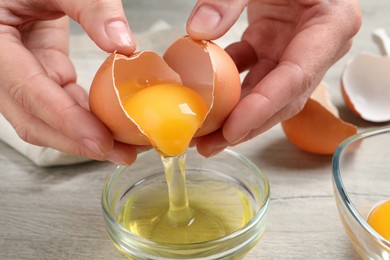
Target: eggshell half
(317, 128)
(118, 77)
(205, 66)
(365, 86)
(200, 65)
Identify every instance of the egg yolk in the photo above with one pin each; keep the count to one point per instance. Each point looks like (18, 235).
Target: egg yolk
(168, 114)
(379, 219)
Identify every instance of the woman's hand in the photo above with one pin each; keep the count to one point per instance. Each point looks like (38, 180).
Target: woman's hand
(287, 48)
(39, 95)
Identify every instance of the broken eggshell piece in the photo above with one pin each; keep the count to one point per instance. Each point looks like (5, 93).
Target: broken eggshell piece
(365, 86)
(200, 65)
(317, 128)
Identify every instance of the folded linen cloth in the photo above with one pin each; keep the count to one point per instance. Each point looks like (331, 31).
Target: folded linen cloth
(41, 156)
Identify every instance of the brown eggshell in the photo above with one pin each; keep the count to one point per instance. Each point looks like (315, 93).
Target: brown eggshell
(317, 128)
(110, 85)
(204, 66)
(348, 101)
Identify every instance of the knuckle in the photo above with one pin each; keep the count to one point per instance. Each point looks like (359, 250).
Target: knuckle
(23, 131)
(16, 93)
(22, 92)
(301, 79)
(65, 116)
(293, 108)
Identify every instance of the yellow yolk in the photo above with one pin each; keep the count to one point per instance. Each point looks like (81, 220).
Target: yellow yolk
(379, 219)
(168, 114)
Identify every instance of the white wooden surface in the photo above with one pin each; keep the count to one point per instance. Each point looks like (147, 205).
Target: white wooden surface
(55, 213)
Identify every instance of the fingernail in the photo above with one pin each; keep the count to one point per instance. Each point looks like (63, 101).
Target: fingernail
(117, 159)
(93, 147)
(119, 33)
(239, 138)
(205, 19)
(217, 151)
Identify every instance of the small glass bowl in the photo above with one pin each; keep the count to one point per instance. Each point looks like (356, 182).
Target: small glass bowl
(361, 180)
(227, 166)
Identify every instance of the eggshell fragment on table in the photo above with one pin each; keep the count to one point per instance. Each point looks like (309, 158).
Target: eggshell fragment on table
(201, 65)
(365, 86)
(317, 128)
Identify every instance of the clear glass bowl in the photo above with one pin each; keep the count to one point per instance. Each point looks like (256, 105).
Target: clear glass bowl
(227, 166)
(361, 180)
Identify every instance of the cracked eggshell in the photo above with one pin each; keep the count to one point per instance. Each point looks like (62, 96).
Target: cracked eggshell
(200, 65)
(204, 66)
(365, 85)
(118, 77)
(317, 128)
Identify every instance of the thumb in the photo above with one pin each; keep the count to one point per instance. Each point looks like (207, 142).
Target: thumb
(210, 19)
(104, 21)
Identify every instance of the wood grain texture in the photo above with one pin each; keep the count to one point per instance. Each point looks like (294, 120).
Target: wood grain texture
(55, 213)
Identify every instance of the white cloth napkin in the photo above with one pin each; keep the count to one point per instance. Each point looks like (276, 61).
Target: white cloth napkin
(41, 156)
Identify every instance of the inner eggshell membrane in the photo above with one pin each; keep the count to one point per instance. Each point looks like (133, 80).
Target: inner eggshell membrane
(366, 87)
(146, 69)
(205, 66)
(192, 62)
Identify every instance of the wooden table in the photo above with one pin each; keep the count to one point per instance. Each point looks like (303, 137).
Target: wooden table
(55, 213)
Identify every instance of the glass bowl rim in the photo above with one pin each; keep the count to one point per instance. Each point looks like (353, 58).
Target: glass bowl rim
(337, 180)
(260, 214)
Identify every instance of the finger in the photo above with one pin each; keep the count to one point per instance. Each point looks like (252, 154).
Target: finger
(78, 94)
(243, 55)
(288, 111)
(33, 130)
(255, 75)
(297, 73)
(31, 88)
(54, 106)
(122, 154)
(210, 19)
(214, 143)
(143, 148)
(53, 55)
(211, 144)
(48, 42)
(275, 91)
(104, 21)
